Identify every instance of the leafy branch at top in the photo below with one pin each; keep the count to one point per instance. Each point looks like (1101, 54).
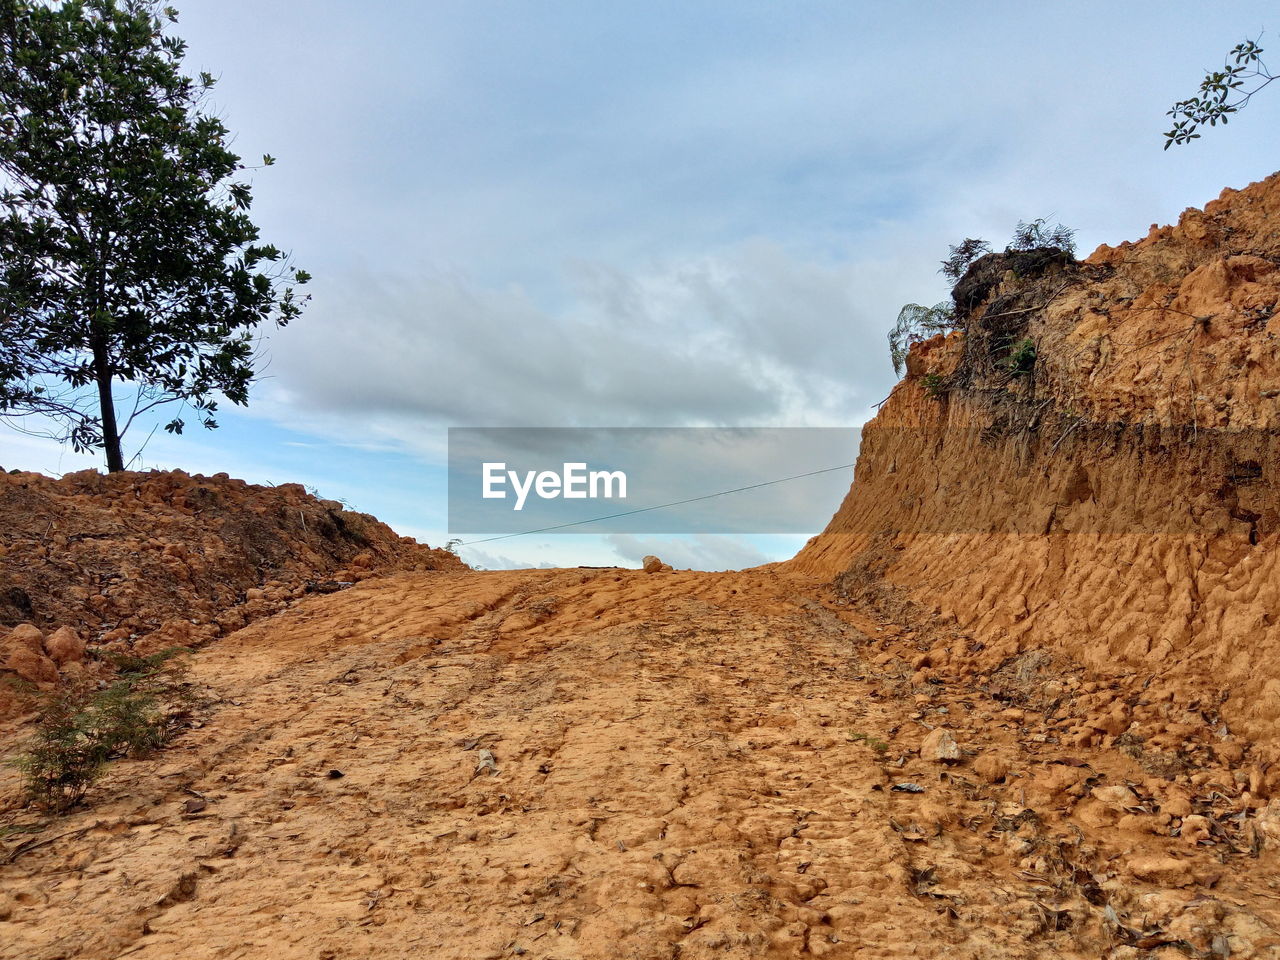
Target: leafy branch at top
(1222, 93)
(916, 323)
(1037, 234)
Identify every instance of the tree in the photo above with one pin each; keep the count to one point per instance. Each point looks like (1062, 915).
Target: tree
(1214, 102)
(127, 255)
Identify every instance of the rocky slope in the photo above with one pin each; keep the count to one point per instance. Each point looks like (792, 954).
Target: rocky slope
(1116, 500)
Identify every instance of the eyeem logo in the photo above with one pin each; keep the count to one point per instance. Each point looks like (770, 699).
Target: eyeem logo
(574, 482)
(668, 480)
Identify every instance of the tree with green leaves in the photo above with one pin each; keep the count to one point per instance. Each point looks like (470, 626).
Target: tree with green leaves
(1222, 93)
(127, 256)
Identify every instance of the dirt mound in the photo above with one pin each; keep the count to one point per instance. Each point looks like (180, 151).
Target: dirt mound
(154, 559)
(1090, 469)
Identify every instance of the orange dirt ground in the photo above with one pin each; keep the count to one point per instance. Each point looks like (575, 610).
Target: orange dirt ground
(687, 765)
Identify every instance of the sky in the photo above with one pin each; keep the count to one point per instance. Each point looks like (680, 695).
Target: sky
(656, 214)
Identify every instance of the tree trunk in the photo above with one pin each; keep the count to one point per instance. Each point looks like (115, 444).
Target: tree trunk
(110, 432)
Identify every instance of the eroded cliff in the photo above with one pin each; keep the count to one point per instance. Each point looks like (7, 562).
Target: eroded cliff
(1089, 467)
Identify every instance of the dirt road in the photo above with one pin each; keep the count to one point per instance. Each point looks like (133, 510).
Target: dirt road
(603, 763)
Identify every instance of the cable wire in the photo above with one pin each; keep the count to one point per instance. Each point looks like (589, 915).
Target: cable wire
(660, 506)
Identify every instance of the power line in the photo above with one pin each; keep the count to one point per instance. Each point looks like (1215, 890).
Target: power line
(661, 506)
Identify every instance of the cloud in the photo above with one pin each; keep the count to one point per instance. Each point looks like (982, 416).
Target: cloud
(697, 552)
(662, 214)
(682, 214)
(485, 560)
(752, 335)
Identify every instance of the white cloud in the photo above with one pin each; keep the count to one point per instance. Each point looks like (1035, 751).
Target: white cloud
(696, 552)
(752, 335)
(686, 214)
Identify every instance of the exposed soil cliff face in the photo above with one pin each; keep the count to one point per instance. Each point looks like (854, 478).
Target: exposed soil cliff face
(1115, 499)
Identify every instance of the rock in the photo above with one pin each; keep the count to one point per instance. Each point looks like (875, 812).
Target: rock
(1116, 796)
(73, 672)
(1195, 829)
(940, 747)
(64, 646)
(1140, 823)
(182, 891)
(487, 764)
(1114, 723)
(1093, 815)
(652, 564)
(1049, 783)
(1268, 822)
(30, 666)
(27, 635)
(1229, 751)
(1257, 780)
(991, 768)
(1164, 870)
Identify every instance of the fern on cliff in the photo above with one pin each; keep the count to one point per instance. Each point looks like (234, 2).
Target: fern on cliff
(916, 323)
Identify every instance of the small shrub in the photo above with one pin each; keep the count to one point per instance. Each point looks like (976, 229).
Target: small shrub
(962, 256)
(63, 758)
(83, 728)
(975, 271)
(876, 744)
(934, 385)
(1022, 357)
(916, 323)
(1037, 233)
